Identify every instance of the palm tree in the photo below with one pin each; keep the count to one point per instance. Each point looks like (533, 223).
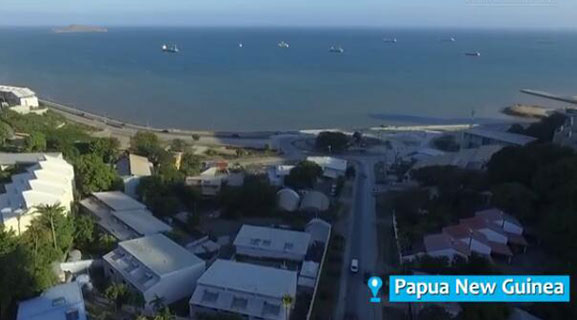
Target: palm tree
(49, 212)
(287, 302)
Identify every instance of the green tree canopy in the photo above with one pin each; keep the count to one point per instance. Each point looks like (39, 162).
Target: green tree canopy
(333, 142)
(190, 164)
(303, 175)
(107, 148)
(35, 142)
(93, 175)
(145, 143)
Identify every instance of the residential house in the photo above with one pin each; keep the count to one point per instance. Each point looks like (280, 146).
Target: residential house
(43, 180)
(211, 181)
(332, 167)
(252, 291)
(154, 266)
(271, 243)
(61, 302)
(442, 245)
(121, 216)
(132, 168)
(21, 100)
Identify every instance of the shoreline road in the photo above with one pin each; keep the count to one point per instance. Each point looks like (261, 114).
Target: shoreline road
(362, 244)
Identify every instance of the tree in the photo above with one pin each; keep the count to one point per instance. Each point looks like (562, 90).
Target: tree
(34, 142)
(255, 198)
(157, 303)
(93, 175)
(303, 175)
(15, 273)
(83, 230)
(118, 294)
(287, 302)
(333, 142)
(53, 218)
(543, 130)
(145, 143)
(177, 145)
(107, 148)
(5, 133)
(190, 164)
(516, 199)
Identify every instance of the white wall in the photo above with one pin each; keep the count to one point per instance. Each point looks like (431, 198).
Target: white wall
(175, 286)
(494, 236)
(252, 252)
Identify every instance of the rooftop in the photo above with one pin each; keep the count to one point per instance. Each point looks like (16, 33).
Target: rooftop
(329, 162)
(62, 302)
(134, 165)
(441, 241)
(160, 254)
(493, 214)
(118, 201)
(7, 158)
(254, 279)
(20, 92)
(270, 239)
(512, 138)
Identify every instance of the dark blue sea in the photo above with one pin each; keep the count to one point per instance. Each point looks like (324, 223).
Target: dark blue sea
(214, 84)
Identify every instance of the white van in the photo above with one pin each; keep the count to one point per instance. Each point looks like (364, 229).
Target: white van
(355, 265)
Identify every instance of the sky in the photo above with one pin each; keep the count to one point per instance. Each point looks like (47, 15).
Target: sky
(539, 14)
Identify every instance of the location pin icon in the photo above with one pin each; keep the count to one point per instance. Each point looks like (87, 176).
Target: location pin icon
(375, 284)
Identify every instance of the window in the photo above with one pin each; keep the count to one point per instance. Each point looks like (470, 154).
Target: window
(72, 314)
(288, 245)
(239, 303)
(266, 243)
(255, 241)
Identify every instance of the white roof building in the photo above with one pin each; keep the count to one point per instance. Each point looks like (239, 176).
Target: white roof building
(49, 181)
(473, 158)
(61, 302)
(122, 216)
(476, 137)
(246, 289)
(154, 266)
(332, 167)
(264, 242)
(21, 100)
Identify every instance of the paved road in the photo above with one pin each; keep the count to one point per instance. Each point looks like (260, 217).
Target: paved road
(361, 244)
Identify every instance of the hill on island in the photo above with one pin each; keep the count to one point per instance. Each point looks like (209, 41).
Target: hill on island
(79, 28)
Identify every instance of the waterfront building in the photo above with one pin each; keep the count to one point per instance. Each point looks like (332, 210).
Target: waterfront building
(39, 180)
(21, 100)
(566, 135)
(121, 216)
(155, 267)
(211, 181)
(252, 291)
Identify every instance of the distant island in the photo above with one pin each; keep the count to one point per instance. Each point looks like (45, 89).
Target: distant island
(79, 28)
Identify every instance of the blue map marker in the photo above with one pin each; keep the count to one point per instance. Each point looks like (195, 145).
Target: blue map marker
(375, 284)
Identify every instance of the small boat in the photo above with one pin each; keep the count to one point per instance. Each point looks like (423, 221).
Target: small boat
(240, 45)
(392, 40)
(473, 54)
(451, 39)
(336, 49)
(283, 44)
(172, 48)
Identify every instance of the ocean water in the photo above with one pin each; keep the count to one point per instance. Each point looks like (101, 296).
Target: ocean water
(214, 84)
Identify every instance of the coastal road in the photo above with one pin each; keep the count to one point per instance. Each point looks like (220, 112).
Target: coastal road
(362, 244)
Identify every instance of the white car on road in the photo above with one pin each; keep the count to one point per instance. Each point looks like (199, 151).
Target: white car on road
(355, 265)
